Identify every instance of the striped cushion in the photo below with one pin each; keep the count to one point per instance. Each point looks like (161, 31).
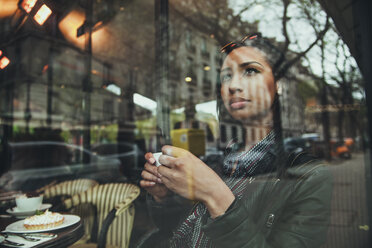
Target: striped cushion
(107, 197)
(69, 188)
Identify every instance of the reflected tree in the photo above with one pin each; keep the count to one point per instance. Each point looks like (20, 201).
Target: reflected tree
(214, 17)
(227, 20)
(349, 82)
(338, 83)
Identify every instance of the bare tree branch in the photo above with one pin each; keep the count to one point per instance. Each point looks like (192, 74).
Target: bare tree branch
(284, 24)
(283, 69)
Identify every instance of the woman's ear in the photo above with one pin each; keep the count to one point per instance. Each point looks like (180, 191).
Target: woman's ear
(277, 88)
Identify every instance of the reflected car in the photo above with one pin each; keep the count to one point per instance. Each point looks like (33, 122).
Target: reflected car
(296, 145)
(311, 136)
(213, 156)
(32, 165)
(131, 157)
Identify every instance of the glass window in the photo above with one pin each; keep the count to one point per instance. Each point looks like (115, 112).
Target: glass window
(252, 98)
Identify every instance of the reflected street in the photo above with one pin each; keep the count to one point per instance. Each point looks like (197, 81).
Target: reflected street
(349, 227)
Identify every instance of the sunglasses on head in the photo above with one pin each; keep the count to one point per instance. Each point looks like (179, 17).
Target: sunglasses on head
(233, 45)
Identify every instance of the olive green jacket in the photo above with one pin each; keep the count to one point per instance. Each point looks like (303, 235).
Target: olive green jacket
(291, 212)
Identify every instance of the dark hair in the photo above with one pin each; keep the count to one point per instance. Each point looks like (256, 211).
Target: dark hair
(271, 52)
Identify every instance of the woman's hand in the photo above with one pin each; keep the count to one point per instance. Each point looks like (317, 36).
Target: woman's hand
(188, 176)
(151, 181)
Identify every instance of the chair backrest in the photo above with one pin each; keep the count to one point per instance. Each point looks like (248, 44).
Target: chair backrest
(69, 188)
(105, 198)
(56, 194)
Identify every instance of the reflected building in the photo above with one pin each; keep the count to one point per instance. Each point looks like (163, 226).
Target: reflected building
(47, 82)
(43, 87)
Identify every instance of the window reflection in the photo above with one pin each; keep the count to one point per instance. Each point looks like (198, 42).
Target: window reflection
(86, 94)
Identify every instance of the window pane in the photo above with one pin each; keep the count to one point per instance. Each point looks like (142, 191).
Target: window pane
(264, 105)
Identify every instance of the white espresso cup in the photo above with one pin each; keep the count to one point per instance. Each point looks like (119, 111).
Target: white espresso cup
(25, 203)
(156, 155)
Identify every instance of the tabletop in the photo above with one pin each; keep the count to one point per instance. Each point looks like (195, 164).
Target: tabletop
(66, 236)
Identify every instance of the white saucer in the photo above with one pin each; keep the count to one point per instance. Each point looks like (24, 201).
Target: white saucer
(23, 214)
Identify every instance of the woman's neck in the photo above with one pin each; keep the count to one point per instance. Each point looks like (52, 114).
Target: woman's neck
(260, 129)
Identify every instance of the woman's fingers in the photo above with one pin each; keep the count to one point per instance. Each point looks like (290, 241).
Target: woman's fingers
(165, 173)
(150, 177)
(151, 173)
(151, 168)
(150, 158)
(145, 184)
(172, 156)
(173, 151)
(167, 161)
(167, 176)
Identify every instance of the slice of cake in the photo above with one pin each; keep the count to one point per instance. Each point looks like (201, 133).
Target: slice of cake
(43, 221)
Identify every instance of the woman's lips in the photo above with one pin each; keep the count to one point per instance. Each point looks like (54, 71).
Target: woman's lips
(238, 103)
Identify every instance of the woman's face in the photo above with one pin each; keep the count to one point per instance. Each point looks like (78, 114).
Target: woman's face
(247, 84)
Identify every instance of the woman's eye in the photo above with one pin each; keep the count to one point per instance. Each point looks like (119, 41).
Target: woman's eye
(225, 77)
(250, 71)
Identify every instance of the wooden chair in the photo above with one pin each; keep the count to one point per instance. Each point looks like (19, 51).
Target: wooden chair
(114, 213)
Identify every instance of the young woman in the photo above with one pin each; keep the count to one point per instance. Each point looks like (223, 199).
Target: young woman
(259, 197)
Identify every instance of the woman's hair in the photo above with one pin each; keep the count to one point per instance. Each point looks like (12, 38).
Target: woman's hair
(271, 53)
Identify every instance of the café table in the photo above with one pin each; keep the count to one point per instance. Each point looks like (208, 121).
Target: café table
(65, 236)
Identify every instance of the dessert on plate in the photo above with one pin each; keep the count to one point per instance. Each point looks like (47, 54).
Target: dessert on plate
(43, 221)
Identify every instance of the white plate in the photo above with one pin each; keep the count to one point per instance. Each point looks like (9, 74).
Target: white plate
(17, 227)
(18, 213)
